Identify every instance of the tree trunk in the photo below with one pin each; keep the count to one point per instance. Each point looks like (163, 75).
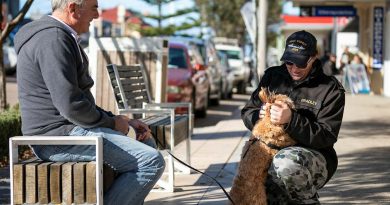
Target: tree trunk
(3, 94)
(4, 34)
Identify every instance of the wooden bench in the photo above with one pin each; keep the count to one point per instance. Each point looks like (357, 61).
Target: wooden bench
(131, 88)
(58, 182)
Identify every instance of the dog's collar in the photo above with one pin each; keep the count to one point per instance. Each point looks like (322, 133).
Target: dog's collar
(255, 139)
(270, 145)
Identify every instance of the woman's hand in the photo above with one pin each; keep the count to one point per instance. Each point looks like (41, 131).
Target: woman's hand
(280, 113)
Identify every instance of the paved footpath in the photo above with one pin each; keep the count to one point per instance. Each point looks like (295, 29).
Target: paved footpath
(363, 148)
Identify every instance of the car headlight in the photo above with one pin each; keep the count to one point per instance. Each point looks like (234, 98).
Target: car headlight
(174, 89)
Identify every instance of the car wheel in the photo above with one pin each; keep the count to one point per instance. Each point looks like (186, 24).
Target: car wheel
(215, 101)
(229, 95)
(241, 89)
(202, 113)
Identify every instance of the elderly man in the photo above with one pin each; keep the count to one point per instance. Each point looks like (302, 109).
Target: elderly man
(297, 172)
(55, 99)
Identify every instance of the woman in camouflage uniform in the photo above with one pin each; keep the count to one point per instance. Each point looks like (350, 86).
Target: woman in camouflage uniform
(298, 172)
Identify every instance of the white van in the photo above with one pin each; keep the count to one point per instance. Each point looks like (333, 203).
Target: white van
(239, 69)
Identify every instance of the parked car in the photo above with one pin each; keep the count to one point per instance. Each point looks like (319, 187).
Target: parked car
(9, 59)
(236, 61)
(185, 82)
(205, 57)
(215, 71)
(227, 77)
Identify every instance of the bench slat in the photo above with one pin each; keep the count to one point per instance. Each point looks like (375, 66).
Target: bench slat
(31, 183)
(19, 182)
(91, 183)
(55, 182)
(67, 175)
(43, 182)
(79, 182)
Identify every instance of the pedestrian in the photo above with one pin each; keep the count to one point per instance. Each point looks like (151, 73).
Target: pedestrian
(346, 58)
(358, 60)
(325, 57)
(55, 99)
(330, 66)
(298, 172)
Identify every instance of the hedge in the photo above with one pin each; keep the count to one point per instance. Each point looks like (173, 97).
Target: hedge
(10, 125)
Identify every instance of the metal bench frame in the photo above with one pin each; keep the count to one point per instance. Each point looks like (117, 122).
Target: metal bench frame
(148, 107)
(14, 142)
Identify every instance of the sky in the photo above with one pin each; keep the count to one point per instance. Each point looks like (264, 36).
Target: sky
(44, 6)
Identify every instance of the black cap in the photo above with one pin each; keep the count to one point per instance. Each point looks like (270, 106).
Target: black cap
(299, 47)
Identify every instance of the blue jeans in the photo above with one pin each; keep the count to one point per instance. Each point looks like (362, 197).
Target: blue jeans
(139, 165)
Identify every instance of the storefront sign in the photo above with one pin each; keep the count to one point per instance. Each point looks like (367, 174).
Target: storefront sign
(378, 38)
(335, 11)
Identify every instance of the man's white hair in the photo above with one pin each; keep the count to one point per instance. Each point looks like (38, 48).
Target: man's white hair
(61, 4)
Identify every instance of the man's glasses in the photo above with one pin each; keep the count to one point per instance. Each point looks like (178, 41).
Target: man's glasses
(289, 63)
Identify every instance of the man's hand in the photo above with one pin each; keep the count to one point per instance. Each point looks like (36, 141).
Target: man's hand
(280, 113)
(142, 130)
(122, 124)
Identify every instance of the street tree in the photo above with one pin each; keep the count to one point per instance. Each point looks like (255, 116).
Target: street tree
(226, 20)
(224, 17)
(5, 30)
(169, 29)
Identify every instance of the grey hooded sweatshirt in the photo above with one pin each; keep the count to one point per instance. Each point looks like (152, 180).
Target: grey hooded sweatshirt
(53, 81)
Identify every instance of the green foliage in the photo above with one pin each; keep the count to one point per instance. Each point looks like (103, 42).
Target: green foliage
(156, 2)
(170, 29)
(10, 125)
(224, 17)
(177, 13)
(226, 20)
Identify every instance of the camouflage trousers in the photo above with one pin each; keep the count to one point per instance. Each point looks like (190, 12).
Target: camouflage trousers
(295, 175)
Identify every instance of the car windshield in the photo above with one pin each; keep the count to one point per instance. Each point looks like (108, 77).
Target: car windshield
(177, 58)
(232, 54)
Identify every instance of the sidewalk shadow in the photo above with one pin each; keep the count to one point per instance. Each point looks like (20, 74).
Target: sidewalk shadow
(203, 191)
(363, 175)
(366, 128)
(219, 135)
(227, 109)
(5, 192)
(217, 114)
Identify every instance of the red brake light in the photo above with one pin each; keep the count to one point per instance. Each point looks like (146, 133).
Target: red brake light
(199, 67)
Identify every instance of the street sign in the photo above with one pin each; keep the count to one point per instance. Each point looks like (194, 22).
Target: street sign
(377, 51)
(335, 11)
(248, 14)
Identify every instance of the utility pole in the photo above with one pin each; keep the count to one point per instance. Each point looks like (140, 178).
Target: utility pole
(262, 13)
(386, 65)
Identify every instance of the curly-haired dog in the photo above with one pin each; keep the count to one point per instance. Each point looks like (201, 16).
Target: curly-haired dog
(249, 183)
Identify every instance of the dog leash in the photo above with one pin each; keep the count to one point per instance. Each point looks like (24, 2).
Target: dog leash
(189, 166)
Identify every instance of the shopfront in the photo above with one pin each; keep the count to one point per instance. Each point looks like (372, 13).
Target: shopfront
(372, 29)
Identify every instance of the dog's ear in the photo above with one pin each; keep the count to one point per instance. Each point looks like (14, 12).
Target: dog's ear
(263, 95)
